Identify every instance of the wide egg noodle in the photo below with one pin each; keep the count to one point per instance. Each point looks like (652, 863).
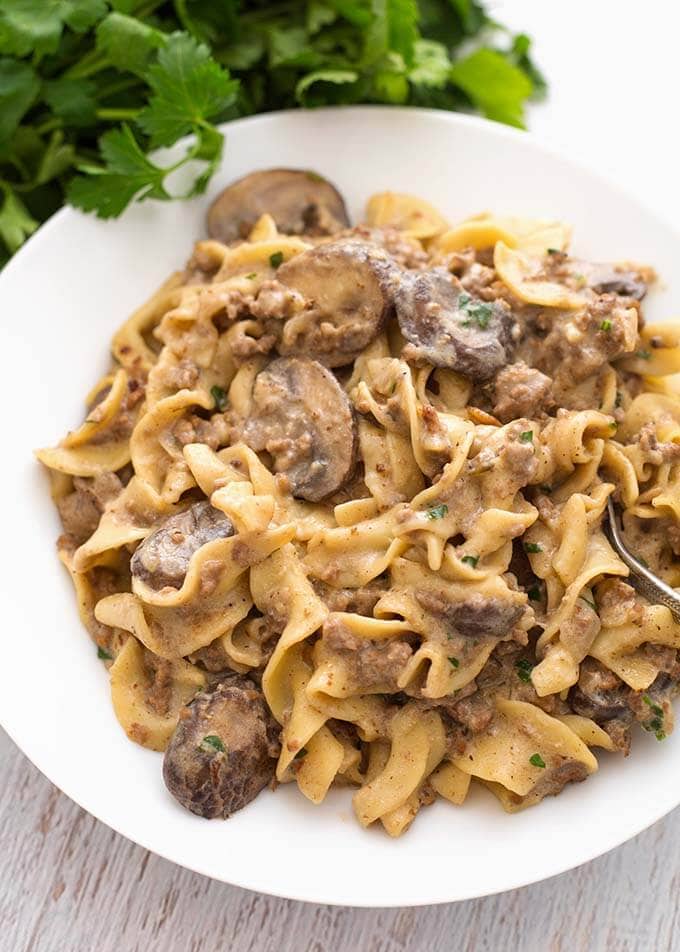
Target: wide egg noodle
(348, 611)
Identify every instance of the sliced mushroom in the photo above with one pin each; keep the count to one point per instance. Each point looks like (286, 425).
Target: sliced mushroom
(347, 287)
(476, 617)
(222, 752)
(300, 202)
(602, 278)
(163, 557)
(301, 416)
(447, 327)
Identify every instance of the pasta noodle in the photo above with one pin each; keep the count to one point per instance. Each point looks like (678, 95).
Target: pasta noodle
(335, 515)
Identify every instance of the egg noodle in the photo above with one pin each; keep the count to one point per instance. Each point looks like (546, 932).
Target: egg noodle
(453, 610)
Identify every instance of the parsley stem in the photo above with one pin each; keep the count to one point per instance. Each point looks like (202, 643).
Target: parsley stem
(54, 122)
(91, 63)
(114, 113)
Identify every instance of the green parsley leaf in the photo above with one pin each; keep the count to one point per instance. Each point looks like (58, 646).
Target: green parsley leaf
(315, 88)
(431, 64)
(302, 752)
(219, 396)
(606, 325)
(536, 760)
(252, 275)
(524, 668)
(471, 560)
(655, 707)
(16, 223)
(73, 100)
(643, 354)
(35, 26)
(188, 86)
(619, 399)
(494, 85)
(276, 259)
(437, 512)
(454, 662)
(128, 174)
(128, 43)
(660, 735)
(212, 743)
(19, 87)
(103, 655)
(477, 312)
(533, 547)
(545, 488)
(534, 593)
(527, 436)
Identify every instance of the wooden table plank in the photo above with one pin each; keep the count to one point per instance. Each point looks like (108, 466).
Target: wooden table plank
(69, 884)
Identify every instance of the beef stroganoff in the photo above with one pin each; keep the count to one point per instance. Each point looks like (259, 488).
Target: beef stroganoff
(335, 514)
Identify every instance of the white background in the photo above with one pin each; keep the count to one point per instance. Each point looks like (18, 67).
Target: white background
(67, 883)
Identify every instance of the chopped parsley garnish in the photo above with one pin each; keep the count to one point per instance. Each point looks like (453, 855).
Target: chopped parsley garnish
(536, 760)
(103, 655)
(534, 593)
(588, 602)
(524, 669)
(619, 399)
(554, 251)
(545, 488)
(532, 547)
(219, 396)
(643, 562)
(643, 354)
(655, 707)
(471, 560)
(477, 312)
(527, 436)
(252, 275)
(438, 512)
(212, 743)
(454, 662)
(302, 752)
(606, 325)
(276, 259)
(613, 425)
(660, 735)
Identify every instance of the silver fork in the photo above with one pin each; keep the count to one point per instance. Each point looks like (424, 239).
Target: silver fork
(641, 578)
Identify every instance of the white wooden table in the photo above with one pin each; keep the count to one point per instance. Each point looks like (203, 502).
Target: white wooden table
(68, 884)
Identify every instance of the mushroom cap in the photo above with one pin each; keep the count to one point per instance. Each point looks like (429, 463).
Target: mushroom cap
(347, 286)
(222, 751)
(301, 416)
(448, 328)
(162, 559)
(299, 201)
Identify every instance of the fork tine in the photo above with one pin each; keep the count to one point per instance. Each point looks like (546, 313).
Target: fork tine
(641, 578)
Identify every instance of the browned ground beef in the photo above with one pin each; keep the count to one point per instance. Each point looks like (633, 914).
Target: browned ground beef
(369, 663)
(81, 509)
(521, 391)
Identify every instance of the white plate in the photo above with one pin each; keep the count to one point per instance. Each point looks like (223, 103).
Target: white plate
(62, 297)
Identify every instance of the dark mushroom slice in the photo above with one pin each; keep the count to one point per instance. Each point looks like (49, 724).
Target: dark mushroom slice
(347, 287)
(447, 327)
(162, 559)
(601, 277)
(300, 202)
(302, 417)
(222, 751)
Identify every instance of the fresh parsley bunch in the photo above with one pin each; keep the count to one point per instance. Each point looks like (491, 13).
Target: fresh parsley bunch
(90, 90)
